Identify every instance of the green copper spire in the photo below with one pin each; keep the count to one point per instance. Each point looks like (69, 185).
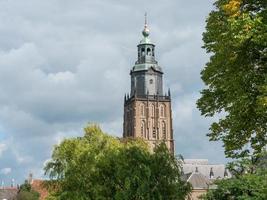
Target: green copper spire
(145, 33)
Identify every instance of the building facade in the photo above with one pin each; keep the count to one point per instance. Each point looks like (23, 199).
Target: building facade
(147, 110)
(202, 175)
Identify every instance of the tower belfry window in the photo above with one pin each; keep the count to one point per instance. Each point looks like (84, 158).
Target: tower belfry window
(148, 51)
(142, 51)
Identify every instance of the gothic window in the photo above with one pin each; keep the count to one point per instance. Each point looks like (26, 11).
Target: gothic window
(154, 132)
(148, 51)
(152, 110)
(142, 110)
(143, 129)
(163, 111)
(164, 130)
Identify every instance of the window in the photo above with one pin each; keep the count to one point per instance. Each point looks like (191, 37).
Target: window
(154, 132)
(163, 110)
(164, 130)
(148, 51)
(143, 129)
(152, 110)
(151, 81)
(142, 110)
(142, 51)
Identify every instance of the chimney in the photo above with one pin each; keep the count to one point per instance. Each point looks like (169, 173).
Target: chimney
(13, 183)
(211, 173)
(196, 170)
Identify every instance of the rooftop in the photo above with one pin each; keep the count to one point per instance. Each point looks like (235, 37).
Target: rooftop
(8, 193)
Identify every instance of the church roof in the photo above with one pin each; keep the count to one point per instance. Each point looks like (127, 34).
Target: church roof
(210, 171)
(8, 193)
(198, 181)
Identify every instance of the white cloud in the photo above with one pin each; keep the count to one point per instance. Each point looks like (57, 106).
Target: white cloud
(61, 77)
(66, 63)
(5, 171)
(3, 147)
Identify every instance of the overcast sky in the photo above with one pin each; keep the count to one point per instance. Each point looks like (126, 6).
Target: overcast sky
(64, 63)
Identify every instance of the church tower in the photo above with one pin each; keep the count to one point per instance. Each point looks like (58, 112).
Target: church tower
(147, 110)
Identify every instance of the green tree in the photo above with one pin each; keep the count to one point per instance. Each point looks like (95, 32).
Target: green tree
(99, 166)
(246, 187)
(26, 192)
(249, 182)
(235, 76)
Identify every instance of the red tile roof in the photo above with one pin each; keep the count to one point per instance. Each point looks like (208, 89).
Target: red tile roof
(8, 193)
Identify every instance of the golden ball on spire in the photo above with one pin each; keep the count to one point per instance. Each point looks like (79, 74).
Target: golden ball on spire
(145, 32)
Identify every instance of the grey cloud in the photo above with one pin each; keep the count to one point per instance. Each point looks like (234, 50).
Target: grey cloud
(64, 63)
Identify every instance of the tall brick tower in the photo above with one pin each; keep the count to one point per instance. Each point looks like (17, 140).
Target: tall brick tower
(147, 111)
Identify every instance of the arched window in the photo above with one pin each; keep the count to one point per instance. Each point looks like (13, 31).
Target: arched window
(142, 110)
(148, 51)
(143, 129)
(163, 111)
(142, 51)
(164, 135)
(152, 110)
(153, 54)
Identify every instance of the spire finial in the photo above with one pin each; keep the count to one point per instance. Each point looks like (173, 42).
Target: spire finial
(145, 19)
(146, 30)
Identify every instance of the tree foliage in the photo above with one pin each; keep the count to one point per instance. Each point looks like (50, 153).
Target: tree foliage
(26, 192)
(249, 182)
(99, 166)
(236, 75)
(246, 187)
